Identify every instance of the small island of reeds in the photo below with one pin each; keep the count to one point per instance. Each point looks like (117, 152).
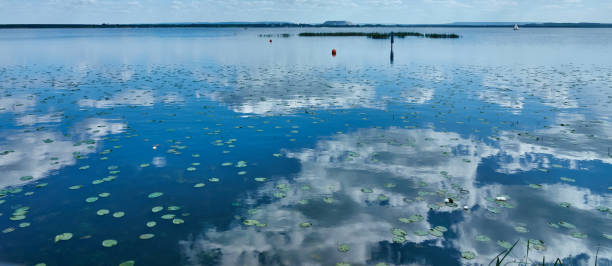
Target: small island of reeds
(378, 35)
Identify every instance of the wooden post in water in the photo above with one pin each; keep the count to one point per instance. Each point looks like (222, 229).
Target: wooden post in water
(391, 55)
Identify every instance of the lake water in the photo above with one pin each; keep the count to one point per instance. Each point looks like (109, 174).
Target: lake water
(217, 147)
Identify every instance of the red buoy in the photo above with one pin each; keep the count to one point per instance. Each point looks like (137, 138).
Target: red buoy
(270, 40)
(333, 52)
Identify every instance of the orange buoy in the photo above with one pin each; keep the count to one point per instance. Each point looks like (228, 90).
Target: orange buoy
(333, 52)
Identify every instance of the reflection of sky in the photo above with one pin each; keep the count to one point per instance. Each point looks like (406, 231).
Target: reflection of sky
(342, 166)
(17, 103)
(33, 157)
(274, 90)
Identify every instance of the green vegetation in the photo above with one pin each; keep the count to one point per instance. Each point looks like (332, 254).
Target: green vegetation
(378, 35)
(284, 35)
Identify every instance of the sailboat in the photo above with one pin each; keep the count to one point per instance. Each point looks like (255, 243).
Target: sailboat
(516, 27)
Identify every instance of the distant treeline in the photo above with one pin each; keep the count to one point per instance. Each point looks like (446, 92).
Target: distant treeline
(378, 35)
(283, 35)
(295, 25)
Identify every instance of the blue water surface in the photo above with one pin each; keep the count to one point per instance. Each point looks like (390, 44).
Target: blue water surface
(244, 151)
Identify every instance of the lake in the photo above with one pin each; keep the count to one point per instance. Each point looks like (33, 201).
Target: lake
(215, 146)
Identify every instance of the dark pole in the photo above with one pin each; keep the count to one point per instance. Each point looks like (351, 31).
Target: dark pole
(391, 55)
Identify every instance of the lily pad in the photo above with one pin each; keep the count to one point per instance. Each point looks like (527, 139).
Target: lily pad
(63, 237)
(306, 225)
(398, 232)
(504, 244)
(343, 248)
(26, 178)
(168, 216)
(91, 199)
(468, 255)
(128, 263)
(441, 228)
(155, 195)
(366, 190)
(420, 233)
(146, 236)
(435, 233)
(109, 243)
(567, 225)
(535, 186)
(398, 239)
(483, 238)
(579, 235)
(521, 229)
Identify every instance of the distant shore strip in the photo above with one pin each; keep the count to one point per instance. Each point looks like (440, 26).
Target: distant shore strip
(378, 35)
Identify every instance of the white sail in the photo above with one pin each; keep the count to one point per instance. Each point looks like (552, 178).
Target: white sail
(516, 27)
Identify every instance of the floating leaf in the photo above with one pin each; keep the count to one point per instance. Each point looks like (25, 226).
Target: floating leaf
(199, 185)
(91, 199)
(63, 237)
(118, 214)
(155, 195)
(421, 233)
(305, 224)
(435, 233)
(26, 178)
(261, 179)
(213, 179)
(578, 235)
(483, 238)
(441, 228)
(468, 255)
(146, 236)
(398, 239)
(521, 229)
(367, 190)
(168, 216)
(157, 209)
(102, 212)
(109, 243)
(398, 232)
(151, 224)
(567, 225)
(343, 248)
(504, 244)
(128, 263)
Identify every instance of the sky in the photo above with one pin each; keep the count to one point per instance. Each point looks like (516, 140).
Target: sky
(303, 11)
